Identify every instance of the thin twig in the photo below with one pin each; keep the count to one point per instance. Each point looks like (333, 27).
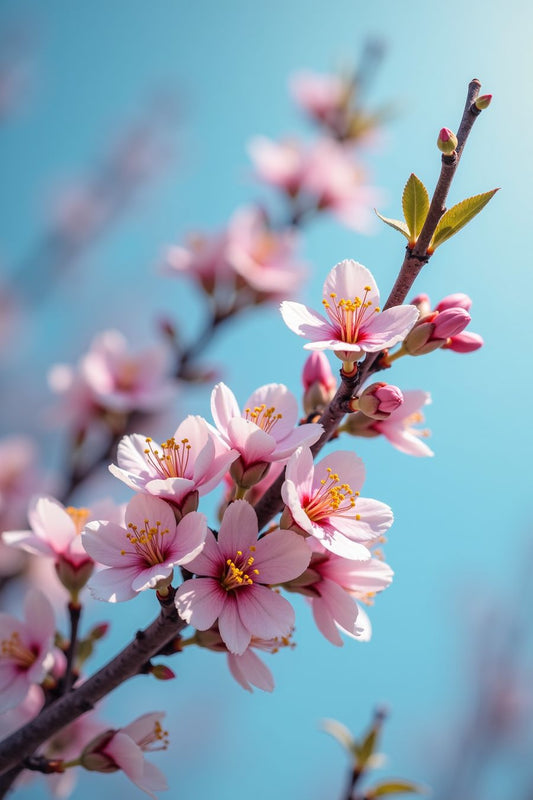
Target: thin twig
(74, 610)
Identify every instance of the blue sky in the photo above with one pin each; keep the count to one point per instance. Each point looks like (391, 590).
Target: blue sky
(463, 518)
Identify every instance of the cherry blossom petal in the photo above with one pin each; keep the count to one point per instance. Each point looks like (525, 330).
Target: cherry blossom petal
(281, 556)
(238, 530)
(252, 442)
(210, 561)
(200, 602)
(190, 537)
(249, 669)
(45, 515)
(39, 617)
(375, 518)
(149, 578)
(303, 321)
(223, 406)
(265, 613)
(113, 585)
(28, 541)
(235, 635)
(127, 755)
(348, 279)
(300, 469)
(143, 506)
(153, 780)
(104, 541)
(389, 327)
(276, 395)
(306, 434)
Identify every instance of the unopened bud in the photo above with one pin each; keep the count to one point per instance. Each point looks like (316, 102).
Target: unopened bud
(99, 631)
(457, 300)
(432, 331)
(421, 301)
(464, 342)
(162, 672)
(319, 382)
(92, 757)
(447, 141)
(450, 322)
(379, 400)
(483, 102)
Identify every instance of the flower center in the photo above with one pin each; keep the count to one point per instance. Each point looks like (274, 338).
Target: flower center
(331, 498)
(147, 542)
(126, 377)
(265, 418)
(415, 419)
(155, 740)
(13, 649)
(173, 459)
(238, 572)
(349, 315)
(79, 517)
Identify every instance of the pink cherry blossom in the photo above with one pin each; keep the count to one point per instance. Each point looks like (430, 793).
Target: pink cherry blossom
(280, 164)
(380, 400)
(265, 259)
(203, 259)
(320, 95)
(143, 554)
(355, 325)
(333, 584)
(55, 533)
(452, 308)
(319, 382)
(123, 749)
(400, 428)
(235, 573)
(323, 501)
(26, 649)
(194, 459)
(265, 430)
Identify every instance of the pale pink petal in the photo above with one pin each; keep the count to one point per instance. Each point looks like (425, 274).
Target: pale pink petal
(135, 482)
(234, 633)
(126, 754)
(145, 507)
(238, 530)
(337, 543)
(190, 537)
(28, 541)
(105, 542)
(389, 327)
(300, 469)
(152, 780)
(142, 726)
(149, 577)
(223, 406)
(346, 464)
(210, 561)
(281, 556)
(407, 442)
(303, 321)
(39, 617)
(264, 612)
(14, 692)
(306, 435)
(131, 456)
(49, 519)
(325, 623)
(413, 401)
(249, 669)
(113, 584)
(252, 442)
(340, 605)
(174, 489)
(348, 280)
(375, 518)
(200, 601)
(277, 396)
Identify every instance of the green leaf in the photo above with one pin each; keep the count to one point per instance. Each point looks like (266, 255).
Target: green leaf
(395, 787)
(341, 733)
(457, 217)
(397, 224)
(415, 204)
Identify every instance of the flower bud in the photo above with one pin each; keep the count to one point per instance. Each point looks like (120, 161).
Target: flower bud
(483, 102)
(447, 141)
(162, 672)
(450, 322)
(464, 342)
(319, 382)
(379, 400)
(433, 330)
(457, 300)
(421, 301)
(99, 631)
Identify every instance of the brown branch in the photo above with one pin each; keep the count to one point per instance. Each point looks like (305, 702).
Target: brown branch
(125, 665)
(415, 258)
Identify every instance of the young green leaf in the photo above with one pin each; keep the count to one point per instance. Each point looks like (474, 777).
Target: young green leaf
(394, 787)
(397, 224)
(457, 217)
(415, 204)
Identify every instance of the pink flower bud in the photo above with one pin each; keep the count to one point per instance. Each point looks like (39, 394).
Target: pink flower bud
(421, 301)
(464, 342)
(457, 300)
(247, 476)
(99, 631)
(319, 382)
(447, 141)
(379, 400)
(483, 102)
(450, 322)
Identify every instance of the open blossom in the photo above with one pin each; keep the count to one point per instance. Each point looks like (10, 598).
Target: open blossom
(25, 649)
(55, 532)
(320, 95)
(143, 554)
(235, 573)
(400, 428)
(264, 431)
(203, 259)
(194, 459)
(112, 377)
(323, 501)
(333, 585)
(264, 258)
(124, 749)
(355, 324)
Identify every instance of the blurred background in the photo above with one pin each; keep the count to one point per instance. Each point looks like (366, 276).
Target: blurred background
(152, 107)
